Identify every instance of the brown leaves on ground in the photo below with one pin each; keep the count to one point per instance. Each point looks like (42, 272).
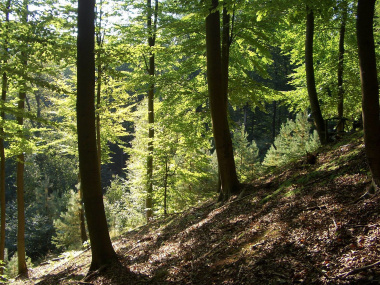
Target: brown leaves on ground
(305, 224)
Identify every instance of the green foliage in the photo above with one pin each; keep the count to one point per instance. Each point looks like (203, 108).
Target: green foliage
(294, 140)
(3, 277)
(12, 265)
(328, 20)
(123, 208)
(67, 227)
(181, 160)
(246, 155)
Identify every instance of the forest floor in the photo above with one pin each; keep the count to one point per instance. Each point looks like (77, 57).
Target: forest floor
(304, 223)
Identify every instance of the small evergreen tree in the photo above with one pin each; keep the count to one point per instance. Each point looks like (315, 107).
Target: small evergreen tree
(67, 227)
(12, 267)
(294, 140)
(246, 155)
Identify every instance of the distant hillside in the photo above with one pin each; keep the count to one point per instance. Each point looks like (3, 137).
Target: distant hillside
(304, 223)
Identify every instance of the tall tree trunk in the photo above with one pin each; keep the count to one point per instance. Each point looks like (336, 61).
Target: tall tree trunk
(22, 267)
(82, 221)
(4, 89)
(2, 173)
(151, 71)
(342, 32)
(166, 186)
(310, 79)
(99, 42)
(97, 118)
(218, 105)
(225, 53)
(274, 121)
(101, 247)
(370, 86)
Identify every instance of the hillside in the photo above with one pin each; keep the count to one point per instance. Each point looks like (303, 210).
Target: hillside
(303, 224)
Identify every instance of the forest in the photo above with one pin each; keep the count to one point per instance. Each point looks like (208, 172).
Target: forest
(116, 115)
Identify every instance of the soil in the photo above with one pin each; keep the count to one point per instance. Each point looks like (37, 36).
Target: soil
(305, 223)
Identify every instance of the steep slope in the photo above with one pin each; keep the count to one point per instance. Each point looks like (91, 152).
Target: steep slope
(301, 224)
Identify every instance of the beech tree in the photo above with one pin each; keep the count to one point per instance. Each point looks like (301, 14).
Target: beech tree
(101, 246)
(370, 86)
(310, 78)
(152, 28)
(342, 33)
(218, 105)
(4, 89)
(22, 267)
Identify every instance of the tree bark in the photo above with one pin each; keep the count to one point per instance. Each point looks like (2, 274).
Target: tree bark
(310, 78)
(166, 186)
(151, 71)
(370, 86)
(82, 221)
(101, 247)
(4, 89)
(22, 267)
(341, 69)
(274, 121)
(225, 53)
(218, 106)
(99, 42)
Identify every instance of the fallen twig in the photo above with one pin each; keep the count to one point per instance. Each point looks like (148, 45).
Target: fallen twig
(362, 197)
(323, 207)
(364, 226)
(357, 270)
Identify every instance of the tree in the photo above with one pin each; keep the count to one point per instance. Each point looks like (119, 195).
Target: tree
(218, 105)
(4, 89)
(152, 28)
(101, 246)
(22, 268)
(246, 155)
(342, 33)
(310, 78)
(370, 87)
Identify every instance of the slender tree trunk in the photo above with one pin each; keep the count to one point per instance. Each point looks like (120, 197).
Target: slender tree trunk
(310, 79)
(101, 247)
(97, 118)
(151, 71)
(274, 121)
(245, 110)
(370, 86)
(225, 53)
(99, 42)
(218, 102)
(22, 267)
(4, 89)
(342, 32)
(166, 186)
(2, 173)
